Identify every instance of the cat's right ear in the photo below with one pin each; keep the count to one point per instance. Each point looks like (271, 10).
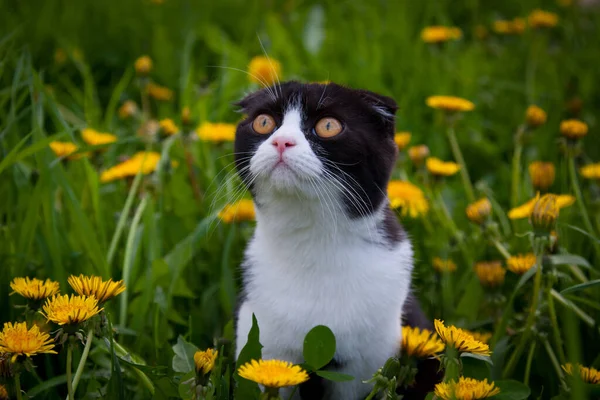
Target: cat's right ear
(244, 104)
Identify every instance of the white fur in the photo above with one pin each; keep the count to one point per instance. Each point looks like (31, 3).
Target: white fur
(311, 265)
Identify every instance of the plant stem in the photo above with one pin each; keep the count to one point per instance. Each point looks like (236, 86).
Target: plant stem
(18, 386)
(528, 365)
(452, 364)
(556, 331)
(516, 166)
(84, 355)
(464, 173)
(69, 372)
(553, 359)
(580, 203)
(501, 249)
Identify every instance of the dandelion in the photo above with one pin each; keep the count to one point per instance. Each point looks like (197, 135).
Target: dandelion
(264, 70)
(460, 339)
(521, 263)
(490, 273)
(535, 116)
(479, 211)
(573, 129)
(542, 174)
(168, 127)
(440, 34)
(418, 154)
(70, 310)
(34, 289)
(95, 138)
(3, 393)
(17, 340)
(128, 109)
(441, 265)
(420, 343)
(94, 286)
(542, 19)
(591, 171)
(216, 132)
(242, 210)
(144, 162)
(437, 167)
(159, 92)
(63, 149)
(205, 360)
(402, 139)
(143, 65)
(273, 373)
(545, 213)
(515, 26)
(524, 210)
(408, 197)
(588, 375)
(466, 389)
(450, 103)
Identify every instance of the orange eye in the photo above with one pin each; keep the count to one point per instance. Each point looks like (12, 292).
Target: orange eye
(328, 127)
(263, 124)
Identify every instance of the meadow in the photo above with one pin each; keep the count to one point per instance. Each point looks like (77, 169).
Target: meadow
(116, 163)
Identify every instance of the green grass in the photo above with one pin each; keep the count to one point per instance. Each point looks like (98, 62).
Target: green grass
(158, 232)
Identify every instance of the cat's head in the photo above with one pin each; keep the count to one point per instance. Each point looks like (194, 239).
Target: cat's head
(312, 141)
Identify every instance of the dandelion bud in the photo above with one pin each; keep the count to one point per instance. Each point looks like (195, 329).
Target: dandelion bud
(143, 65)
(418, 154)
(205, 360)
(573, 129)
(542, 175)
(544, 214)
(535, 116)
(186, 116)
(168, 127)
(490, 273)
(479, 211)
(128, 109)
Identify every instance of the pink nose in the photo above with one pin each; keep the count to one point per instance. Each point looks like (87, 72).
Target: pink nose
(283, 143)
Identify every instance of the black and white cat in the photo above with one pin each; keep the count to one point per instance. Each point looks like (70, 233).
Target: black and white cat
(327, 249)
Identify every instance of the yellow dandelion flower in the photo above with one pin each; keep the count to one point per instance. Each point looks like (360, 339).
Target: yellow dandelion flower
(521, 263)
(402, 139)
(17, 340)
(143, 65)
(460, 339)
(466, 389)
(542, 19)
(542, 174)
(205, 360)
(450, 103)
(479, 211)
(591, 171)
(544, 213)
(437, 167)
(70, 310)
(263, 70)
(144, 162)
(159, 92)
(420, 343)
(63, 149)
(440, 34)
(95, 138)
(588, 375)
(483, 337)
(535, 116)
(408, 197)
(168, 126)
(418, 154)
(273, 373)
(490, 273)
(216, 132)
(515, 26)
(242, 210)
(524, 210)
(34, 289)
(128, 109)
(3, 393)
(441, 265)
(573, 129)
(94, 286)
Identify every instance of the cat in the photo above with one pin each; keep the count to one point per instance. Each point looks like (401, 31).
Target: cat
(327, 248)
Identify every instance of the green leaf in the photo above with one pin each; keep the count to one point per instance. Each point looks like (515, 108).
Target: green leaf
(319, 346)
(248, 390)
(512, 390)
(183, 360)
(185, 388)
(335, 376)
(562, 259)
(581, 286)
(478, 357)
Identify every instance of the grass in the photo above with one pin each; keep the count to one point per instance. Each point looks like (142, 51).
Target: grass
(159, 232)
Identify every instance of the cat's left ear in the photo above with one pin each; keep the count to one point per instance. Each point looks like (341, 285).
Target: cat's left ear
(383, 105)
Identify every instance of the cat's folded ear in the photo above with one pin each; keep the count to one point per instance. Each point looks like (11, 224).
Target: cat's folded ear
(245, 103)
(384, 105)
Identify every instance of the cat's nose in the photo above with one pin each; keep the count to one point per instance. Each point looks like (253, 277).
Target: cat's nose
(283, 143)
